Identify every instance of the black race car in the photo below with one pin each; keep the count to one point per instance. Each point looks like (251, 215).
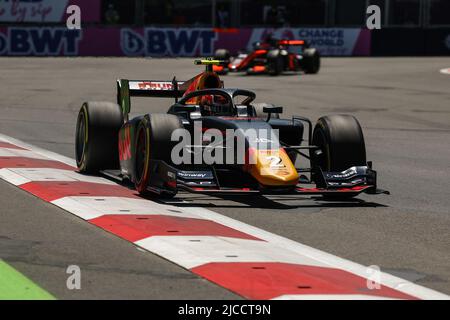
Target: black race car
(217, 140)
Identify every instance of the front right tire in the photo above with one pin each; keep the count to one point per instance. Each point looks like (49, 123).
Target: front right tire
(311, 61)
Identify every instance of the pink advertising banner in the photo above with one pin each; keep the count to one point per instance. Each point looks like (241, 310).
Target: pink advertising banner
(16, 11)
(172, 42)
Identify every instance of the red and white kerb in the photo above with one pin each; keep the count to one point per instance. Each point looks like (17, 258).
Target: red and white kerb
(249, 261)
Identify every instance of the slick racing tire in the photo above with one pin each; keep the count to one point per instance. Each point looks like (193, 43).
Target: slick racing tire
(259, 110)
(275, 63)
(153, 142)
(341, 142)
(311, 61)
(97, 134)
(222, 54)
(342, 146)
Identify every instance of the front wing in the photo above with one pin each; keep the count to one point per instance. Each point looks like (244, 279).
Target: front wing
(351, 182)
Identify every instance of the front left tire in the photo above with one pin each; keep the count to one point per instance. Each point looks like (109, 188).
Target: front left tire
(341, 143)
(222, 54)
(153, 142)
(275, 62)
(97, 134)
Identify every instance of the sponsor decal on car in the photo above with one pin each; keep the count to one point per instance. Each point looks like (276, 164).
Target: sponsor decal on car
(155, 86)
(342, 175)
(195, 174)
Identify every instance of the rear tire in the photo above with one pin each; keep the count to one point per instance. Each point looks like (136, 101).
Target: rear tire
(275, 63)
(341, 140)
(222, 54)
(153, 142)
(311, 61)
(97, 134)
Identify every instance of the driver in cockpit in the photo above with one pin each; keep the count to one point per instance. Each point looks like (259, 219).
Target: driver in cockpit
(216, 105)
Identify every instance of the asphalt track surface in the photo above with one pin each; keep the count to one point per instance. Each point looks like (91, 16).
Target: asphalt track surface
(403, 105)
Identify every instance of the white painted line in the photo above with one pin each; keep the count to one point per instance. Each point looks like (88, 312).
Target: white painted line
(46, 153)
(5, 152)
(19, 176)
(94, 207)
(193, 251)
(445, 71)
(12, 177)
(322, 257)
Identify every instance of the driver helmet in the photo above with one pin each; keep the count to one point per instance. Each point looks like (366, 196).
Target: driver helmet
(215, 105)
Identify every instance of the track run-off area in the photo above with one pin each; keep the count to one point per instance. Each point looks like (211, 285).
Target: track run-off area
(201, 247)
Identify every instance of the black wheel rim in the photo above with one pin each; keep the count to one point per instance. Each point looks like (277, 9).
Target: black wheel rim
(320, 141)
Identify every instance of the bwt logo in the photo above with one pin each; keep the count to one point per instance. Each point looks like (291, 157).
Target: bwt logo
(172, 42)
(39, 41)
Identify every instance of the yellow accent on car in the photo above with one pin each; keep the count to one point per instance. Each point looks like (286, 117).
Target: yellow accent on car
(207, 62)
(272, 168)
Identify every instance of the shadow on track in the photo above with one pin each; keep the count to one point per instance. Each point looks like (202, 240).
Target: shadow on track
(253, 201)
(262, 202)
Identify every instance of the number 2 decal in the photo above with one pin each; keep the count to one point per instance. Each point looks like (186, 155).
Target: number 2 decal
(275, 162)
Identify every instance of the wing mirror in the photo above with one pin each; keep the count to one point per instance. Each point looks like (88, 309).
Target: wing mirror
(273, 109)
(184, 107)
(270, 110)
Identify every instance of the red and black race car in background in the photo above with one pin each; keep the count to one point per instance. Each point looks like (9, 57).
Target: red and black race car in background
(273, 56)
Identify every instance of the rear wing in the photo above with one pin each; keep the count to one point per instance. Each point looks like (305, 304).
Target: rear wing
(155, 88)
(292, 42)
(146, 88)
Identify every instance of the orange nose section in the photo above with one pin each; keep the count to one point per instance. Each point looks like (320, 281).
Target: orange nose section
(272, 168)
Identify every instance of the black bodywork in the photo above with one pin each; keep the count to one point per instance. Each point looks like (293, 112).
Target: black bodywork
(295, 136)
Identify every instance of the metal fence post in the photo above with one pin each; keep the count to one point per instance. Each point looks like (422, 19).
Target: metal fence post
(331, 13)
(235, 13)
(213, 13)
(139, 14)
